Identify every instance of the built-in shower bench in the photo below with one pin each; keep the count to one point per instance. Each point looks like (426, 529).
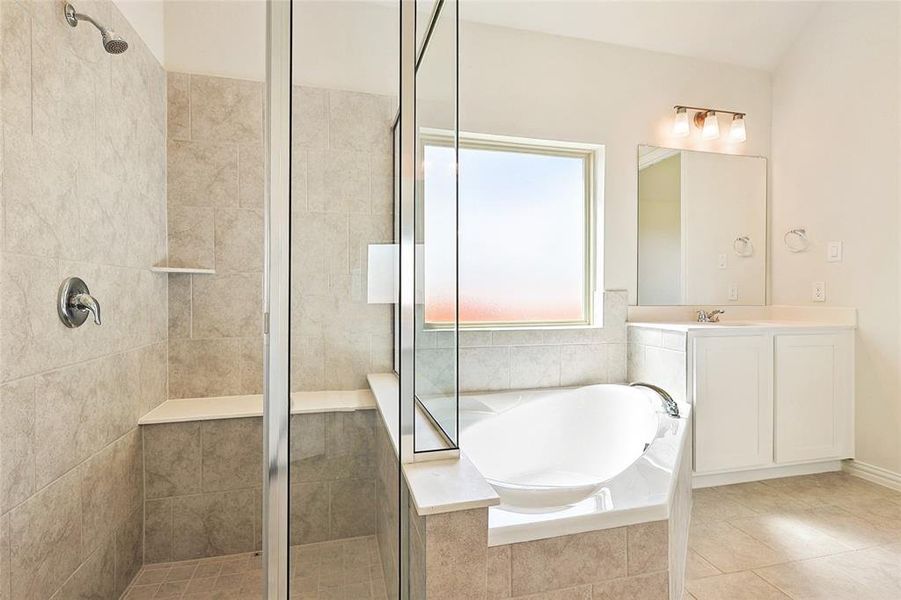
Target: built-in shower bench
(181, 410)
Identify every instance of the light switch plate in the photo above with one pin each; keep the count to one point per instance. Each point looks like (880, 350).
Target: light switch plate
(834, 252)
(733, 292)
(819, 291)
(722, 262)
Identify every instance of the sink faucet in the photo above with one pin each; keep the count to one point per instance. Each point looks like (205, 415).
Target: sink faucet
(710, 317)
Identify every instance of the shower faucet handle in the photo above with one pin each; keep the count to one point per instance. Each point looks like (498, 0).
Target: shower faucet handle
(75, 302)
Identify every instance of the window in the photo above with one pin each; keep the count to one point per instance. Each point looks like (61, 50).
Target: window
(525, 233)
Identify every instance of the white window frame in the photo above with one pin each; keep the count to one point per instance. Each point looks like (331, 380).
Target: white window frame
(593, 156)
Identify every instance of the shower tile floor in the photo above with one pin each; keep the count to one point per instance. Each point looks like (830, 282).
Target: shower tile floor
(347, 569)
(816, 537)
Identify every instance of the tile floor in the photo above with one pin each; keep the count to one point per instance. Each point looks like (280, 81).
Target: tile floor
(830, 536)
(340, 570)
(815, 537)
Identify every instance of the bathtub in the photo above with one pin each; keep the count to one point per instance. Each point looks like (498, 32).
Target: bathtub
(570, 460)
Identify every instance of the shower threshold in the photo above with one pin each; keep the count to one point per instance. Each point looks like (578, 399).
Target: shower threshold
(348, 568)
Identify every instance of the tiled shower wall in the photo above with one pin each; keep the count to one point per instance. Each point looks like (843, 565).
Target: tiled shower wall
(83, 193)
(203, 494)
(341, 201)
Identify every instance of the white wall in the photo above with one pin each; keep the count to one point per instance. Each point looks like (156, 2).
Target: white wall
(146, 17)
(549, 87)
(835, 161)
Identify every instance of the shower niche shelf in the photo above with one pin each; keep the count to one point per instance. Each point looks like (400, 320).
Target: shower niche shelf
(183, 270)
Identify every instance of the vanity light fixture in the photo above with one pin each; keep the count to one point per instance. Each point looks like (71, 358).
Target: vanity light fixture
(737, 132)
(711, 128)
(681, 126)
(706, 119)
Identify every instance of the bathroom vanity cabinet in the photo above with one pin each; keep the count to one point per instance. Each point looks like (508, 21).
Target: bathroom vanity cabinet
(769, 399)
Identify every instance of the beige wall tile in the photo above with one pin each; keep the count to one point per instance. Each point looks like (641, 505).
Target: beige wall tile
(583, 364)
(338, 181)
(567, 561)
(499, 572)
(310, 521)
(359, 121)
(179, 306)
(231, 454)
(95, 578)
(172, 459)
(111, 488)
(251, 164)
(178, 91)
(239, 240)
(311, 118)
(582, 592)
(45, 538)
(36, 338)
(351, 508)
(17, 423)
(227, 305)
(202, 174)
(192, 237)
(226, 109)
(215, 367)
(648, 547)
(457, 555)
(5, 578)
(319, 249)
(653, 586)
(129, 550)
(158, 530)
(15, 70)
(534, 366)
(212, 524)
(483, 369)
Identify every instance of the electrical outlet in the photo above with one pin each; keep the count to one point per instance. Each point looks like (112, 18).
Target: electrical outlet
(722, 262)
(834, 252)
(733, 292)
(819, 291)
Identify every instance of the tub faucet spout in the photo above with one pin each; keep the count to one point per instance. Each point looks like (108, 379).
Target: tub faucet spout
(669, 405)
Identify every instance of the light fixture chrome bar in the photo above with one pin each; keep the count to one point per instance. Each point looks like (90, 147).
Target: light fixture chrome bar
(715, 110)
(277, 299)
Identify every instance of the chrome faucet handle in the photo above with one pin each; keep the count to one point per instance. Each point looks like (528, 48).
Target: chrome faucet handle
(86, 302)
(75, 302)
(714, 315)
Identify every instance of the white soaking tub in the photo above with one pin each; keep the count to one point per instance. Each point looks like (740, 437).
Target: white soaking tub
(574, 459)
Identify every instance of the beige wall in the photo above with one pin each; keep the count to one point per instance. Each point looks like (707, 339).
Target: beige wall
(836, 174)
(215, 218)
(83, 193)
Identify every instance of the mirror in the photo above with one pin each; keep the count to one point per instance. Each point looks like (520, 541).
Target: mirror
(701, 228)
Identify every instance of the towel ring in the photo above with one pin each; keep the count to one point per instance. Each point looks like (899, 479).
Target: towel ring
(743, 246)
(800, 235)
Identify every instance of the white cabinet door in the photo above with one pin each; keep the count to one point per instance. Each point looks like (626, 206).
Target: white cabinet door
(814, 396)
(733, 397)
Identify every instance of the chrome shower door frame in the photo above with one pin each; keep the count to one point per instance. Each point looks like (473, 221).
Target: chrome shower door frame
(277, 299)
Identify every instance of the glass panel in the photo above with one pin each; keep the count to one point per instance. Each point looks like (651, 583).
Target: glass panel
(344, 472)
(435, 344)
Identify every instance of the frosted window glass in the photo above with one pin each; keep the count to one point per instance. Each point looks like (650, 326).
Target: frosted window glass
(522, 246)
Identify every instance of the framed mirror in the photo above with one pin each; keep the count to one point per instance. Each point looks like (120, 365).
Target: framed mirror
(701, 228)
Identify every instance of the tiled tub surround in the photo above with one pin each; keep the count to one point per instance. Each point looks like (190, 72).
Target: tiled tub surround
(203, 483)
(83, 193)
(505, 359)
(341, 203)
(658, 356)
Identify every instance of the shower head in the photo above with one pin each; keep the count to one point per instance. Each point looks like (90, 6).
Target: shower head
(112, 42)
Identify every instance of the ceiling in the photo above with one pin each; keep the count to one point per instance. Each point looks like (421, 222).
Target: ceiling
(751, 34)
